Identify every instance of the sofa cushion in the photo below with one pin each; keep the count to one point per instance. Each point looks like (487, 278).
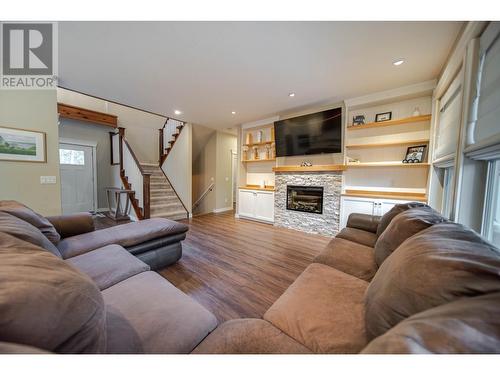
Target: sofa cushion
(108, 265)
(249, 336)
(349, 257)
(469, 325)
(403, 226)
(26, 232)
(46, 303)
(9, 348)
(441, 264)
(386, 219)
(147, 314)
(125, 235)
(359, 236)
(323, 310)
(27, 214)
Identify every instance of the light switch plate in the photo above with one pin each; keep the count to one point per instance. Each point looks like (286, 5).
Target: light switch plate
(47, 179)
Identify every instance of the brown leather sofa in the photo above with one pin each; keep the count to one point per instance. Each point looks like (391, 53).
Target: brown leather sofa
(407, 282)
(66, 288)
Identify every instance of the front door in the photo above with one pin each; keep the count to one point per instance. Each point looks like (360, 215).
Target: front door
(77, 178)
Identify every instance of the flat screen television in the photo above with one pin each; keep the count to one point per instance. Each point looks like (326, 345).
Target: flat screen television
(317, 133)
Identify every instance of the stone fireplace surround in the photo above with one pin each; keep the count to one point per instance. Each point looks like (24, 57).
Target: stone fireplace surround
(328, 222)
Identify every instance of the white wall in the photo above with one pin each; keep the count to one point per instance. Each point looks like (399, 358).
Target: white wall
(141, 127)
(226, 144)
(178, 166)
(32, 110)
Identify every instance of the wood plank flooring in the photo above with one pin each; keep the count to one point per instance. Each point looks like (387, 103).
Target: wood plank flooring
(238, 268)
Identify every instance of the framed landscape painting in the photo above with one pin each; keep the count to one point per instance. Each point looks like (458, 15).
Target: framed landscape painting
(22, 145)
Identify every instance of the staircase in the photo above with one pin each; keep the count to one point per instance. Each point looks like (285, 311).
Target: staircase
(164, 202)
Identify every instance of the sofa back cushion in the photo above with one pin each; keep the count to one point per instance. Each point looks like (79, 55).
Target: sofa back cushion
(403, 226)
(27, 214)
(386, 219)
(46, 303)
(469, 325)
(24, 231)
(441, 264)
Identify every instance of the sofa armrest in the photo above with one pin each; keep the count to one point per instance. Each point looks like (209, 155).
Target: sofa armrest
(364, 222)
(72, 224)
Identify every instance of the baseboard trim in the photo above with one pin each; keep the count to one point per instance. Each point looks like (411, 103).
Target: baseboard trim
(224, 209)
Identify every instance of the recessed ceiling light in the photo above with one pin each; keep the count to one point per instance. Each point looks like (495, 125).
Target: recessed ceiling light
(291, 95)
(177, 112)
(233, 112)
(398, 62)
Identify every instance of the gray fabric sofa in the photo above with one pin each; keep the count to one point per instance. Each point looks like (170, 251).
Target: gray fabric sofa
(407, 282)
(87, 293)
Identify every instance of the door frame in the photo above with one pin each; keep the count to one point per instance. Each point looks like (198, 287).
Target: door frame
(79, 142)
(234, 176)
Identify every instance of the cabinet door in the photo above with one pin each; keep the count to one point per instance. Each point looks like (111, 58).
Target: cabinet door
(386, 205)
(264, 206)
(247, 203)
(355, 205)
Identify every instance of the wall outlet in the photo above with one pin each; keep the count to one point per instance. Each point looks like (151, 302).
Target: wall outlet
(47, 179)
(225, 200)
(227, 179)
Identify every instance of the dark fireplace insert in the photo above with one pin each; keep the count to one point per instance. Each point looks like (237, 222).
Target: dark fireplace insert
(305, 198)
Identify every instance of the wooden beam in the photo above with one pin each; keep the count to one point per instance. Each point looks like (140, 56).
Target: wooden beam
(314, 168)
(82, 114)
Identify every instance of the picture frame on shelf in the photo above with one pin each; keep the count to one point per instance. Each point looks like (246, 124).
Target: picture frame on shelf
(384, 116)
(23, 145)
(358, 120)
(415, 154)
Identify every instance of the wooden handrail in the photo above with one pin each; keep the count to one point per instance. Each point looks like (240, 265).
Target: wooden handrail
(146, 180)
(205, 193)
(161, 144)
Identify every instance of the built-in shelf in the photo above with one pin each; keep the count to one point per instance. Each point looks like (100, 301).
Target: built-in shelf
(257, 187)
(258, 144)
(388, 164)
(401, 121)
(388, 144)
(313, 168)
(386, 194)
(257, 160)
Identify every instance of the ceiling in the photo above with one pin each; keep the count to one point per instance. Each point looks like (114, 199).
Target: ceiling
(209, 69)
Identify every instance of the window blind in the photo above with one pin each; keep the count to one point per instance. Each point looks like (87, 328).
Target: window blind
(448, 126)
(484, 125)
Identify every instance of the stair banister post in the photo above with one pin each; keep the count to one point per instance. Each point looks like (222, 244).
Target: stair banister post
(146, 192)
(121, 134)
(161, 148)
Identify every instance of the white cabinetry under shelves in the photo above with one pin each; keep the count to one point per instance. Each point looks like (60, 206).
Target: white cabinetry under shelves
(369, 206)
(256, 204)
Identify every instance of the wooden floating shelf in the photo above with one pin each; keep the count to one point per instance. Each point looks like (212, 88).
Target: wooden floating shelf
(82, 114)
(388, 164)
(387, 144)
(410, 196)
(314, 168)
(257, 187)
(257, 160)
(401, 121)
(258, 144)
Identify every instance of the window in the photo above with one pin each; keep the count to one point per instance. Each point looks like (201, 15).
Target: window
(72, 157)
(447, 199)
(491, 222)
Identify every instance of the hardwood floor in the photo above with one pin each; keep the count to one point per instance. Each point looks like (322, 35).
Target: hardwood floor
(238, 268)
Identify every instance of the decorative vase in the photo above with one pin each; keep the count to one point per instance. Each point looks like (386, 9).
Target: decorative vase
(259, 136)
(249, 139)
(416, 112)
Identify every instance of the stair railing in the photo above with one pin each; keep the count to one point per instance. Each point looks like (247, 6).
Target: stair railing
(167, 136)
(202, 197)
(134, 178)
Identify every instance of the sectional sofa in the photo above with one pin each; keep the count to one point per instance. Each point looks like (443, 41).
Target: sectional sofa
(408, 282)
(66, 288)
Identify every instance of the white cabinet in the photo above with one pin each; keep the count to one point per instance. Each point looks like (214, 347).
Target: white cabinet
(256, 204)
(370, 206)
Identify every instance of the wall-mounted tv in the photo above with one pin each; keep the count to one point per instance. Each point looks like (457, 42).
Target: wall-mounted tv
(317, 133)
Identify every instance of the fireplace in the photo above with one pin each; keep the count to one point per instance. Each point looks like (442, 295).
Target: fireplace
(304, 198)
